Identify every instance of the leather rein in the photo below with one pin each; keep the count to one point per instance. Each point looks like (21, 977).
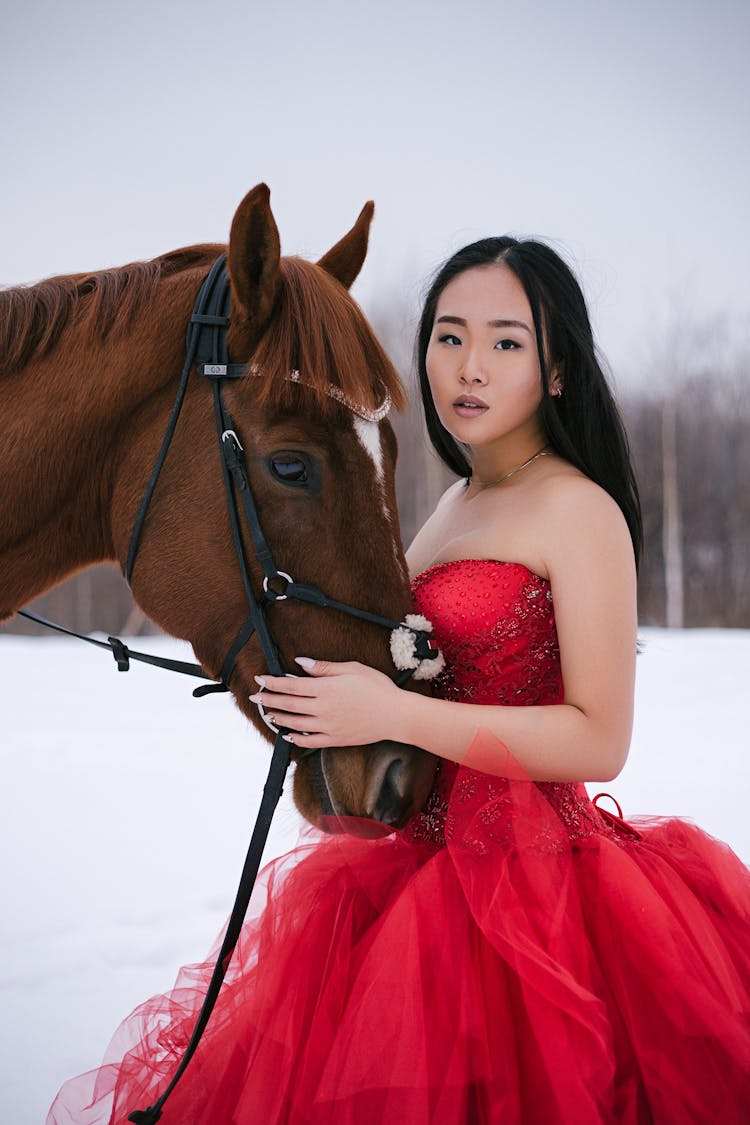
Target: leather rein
(207, 351)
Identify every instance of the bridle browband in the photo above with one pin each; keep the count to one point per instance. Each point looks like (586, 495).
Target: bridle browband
(207, 351)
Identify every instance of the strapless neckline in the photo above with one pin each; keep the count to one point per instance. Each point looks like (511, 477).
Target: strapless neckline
(475, 562)
(495, 623)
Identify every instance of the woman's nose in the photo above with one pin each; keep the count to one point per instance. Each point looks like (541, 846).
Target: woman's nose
(472, 371)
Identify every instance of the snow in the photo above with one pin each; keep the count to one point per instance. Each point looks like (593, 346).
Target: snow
(128, 807)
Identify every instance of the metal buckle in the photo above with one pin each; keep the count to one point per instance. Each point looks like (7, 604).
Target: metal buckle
(274, 596)
(266, 720)
(233, 435)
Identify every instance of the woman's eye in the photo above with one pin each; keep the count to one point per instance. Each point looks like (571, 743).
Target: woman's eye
(289, 471)
(506, 345)
(449, 338)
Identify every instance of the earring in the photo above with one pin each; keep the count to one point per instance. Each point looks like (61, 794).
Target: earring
(558, 392)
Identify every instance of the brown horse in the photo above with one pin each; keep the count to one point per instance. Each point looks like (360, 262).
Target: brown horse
(88, 370)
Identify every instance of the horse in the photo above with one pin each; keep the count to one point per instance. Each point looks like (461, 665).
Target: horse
(88, 368)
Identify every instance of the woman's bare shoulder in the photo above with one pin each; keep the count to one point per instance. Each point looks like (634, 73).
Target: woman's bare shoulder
(581, 520)
(568, 491)
(451, 493)
(431, 536)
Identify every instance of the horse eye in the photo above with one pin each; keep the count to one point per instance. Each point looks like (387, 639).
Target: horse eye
(289, 472)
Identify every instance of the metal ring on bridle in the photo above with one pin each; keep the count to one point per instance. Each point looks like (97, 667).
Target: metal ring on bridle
(273, 595)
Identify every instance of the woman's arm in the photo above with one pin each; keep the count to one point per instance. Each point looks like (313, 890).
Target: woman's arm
(592, 575)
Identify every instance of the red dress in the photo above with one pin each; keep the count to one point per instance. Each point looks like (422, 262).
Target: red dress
(516, 955)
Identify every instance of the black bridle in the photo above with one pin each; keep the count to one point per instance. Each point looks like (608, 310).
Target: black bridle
(207, 351)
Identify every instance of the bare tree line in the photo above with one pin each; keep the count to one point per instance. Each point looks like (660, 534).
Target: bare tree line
(689, 437)
(691, 446)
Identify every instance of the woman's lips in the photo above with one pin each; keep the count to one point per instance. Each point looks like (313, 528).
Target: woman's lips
(469, 406)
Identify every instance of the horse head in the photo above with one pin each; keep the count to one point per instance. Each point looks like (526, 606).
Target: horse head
(320, 455)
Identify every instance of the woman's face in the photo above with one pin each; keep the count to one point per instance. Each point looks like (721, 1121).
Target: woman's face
(482, 360)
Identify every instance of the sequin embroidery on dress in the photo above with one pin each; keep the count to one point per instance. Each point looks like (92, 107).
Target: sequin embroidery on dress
(495, 623)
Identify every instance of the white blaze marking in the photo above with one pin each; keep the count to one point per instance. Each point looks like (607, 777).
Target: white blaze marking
(369, 436)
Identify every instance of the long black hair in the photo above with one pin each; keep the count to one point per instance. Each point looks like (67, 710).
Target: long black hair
(583, 425)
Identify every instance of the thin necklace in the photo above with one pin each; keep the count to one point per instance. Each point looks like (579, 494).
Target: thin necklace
(545, 451)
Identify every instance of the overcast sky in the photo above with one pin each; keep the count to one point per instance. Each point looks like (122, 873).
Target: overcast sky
(617, 130)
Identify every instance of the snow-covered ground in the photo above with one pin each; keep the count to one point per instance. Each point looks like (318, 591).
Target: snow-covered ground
(127, 807)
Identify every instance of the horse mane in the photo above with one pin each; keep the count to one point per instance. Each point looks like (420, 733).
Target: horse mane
(318, 330)
(32, 317)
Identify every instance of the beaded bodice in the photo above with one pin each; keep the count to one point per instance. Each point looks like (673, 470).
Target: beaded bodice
(495, 623)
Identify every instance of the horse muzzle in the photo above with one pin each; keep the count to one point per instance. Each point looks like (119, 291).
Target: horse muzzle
(398, 783)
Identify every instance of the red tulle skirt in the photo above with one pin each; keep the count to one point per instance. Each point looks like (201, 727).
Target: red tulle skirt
(514, 956)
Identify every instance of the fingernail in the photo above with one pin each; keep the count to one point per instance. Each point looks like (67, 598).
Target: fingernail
(288, 738)
(255, 698)
(291, 675)
(304, 662)
(260, 680)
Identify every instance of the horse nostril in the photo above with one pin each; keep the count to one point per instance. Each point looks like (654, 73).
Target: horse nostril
(389, 806)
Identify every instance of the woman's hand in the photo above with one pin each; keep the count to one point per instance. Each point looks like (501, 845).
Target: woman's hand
(335, 704)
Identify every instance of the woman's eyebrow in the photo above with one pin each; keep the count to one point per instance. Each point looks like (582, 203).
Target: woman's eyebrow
(491, 323)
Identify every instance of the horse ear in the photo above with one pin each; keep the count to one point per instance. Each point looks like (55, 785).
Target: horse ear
(253, 259)
(344, 260)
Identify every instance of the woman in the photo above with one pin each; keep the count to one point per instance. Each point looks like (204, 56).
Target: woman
(516, 954)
